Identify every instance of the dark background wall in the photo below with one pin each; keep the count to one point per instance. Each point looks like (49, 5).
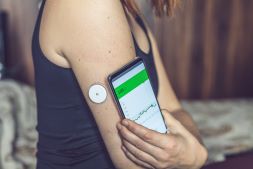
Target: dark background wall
(207, 47)
(21, 16)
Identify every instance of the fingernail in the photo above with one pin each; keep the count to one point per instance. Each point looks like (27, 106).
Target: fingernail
(119, 126)
(125, 122)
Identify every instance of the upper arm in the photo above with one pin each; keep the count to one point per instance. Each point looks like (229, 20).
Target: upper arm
(95, 39)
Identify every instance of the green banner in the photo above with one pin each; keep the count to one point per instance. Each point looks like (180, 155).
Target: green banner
(131, 83)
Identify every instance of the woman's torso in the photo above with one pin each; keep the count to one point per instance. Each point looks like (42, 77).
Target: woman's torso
(68, 134)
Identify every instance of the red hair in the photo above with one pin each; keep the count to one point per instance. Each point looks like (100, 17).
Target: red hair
(160, 7)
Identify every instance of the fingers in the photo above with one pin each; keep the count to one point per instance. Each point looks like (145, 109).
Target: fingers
(144, 157)
(174, 126)
(150, 136)
(148, 146)
(154, 151)
(135, 159)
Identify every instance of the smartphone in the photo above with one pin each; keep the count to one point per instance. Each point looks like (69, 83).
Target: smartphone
(135, 97)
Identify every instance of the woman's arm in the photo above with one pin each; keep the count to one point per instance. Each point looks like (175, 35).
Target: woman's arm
(94, 37)
(181, 148)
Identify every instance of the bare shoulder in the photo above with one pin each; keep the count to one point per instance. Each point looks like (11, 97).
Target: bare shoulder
(83, 26)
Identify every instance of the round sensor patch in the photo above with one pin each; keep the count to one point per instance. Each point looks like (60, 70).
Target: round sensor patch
(97, 93)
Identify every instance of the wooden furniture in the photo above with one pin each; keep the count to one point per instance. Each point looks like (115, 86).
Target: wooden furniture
(207, 48)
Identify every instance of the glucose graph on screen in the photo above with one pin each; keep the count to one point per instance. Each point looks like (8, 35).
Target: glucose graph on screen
(139, 115)
(136, 97)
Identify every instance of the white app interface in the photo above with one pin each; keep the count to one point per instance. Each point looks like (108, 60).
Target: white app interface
(137, 99)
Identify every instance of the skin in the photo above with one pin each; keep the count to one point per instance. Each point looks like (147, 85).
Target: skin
(96, 34)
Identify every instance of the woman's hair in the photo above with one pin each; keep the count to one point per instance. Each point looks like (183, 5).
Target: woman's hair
(160, 7)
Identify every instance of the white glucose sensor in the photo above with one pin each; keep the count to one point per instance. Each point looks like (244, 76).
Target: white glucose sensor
(97, 93)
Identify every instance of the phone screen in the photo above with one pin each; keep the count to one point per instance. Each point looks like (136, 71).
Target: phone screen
(136, 97)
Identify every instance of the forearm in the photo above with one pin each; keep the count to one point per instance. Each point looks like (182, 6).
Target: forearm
(186, 120)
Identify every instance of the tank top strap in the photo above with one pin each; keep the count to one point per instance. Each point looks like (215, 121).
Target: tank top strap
(40, 12)
(143, 26)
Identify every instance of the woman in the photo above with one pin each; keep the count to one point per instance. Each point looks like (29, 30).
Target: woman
(78, 43)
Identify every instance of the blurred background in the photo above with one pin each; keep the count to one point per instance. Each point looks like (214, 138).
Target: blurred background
(206, 47)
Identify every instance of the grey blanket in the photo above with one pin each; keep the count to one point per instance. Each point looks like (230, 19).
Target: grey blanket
(225, 125)
(17, 126)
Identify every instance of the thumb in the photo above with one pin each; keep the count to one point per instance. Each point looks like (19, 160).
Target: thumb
(173, 125)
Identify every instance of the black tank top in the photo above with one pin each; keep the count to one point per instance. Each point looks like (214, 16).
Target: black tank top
(68, 135)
